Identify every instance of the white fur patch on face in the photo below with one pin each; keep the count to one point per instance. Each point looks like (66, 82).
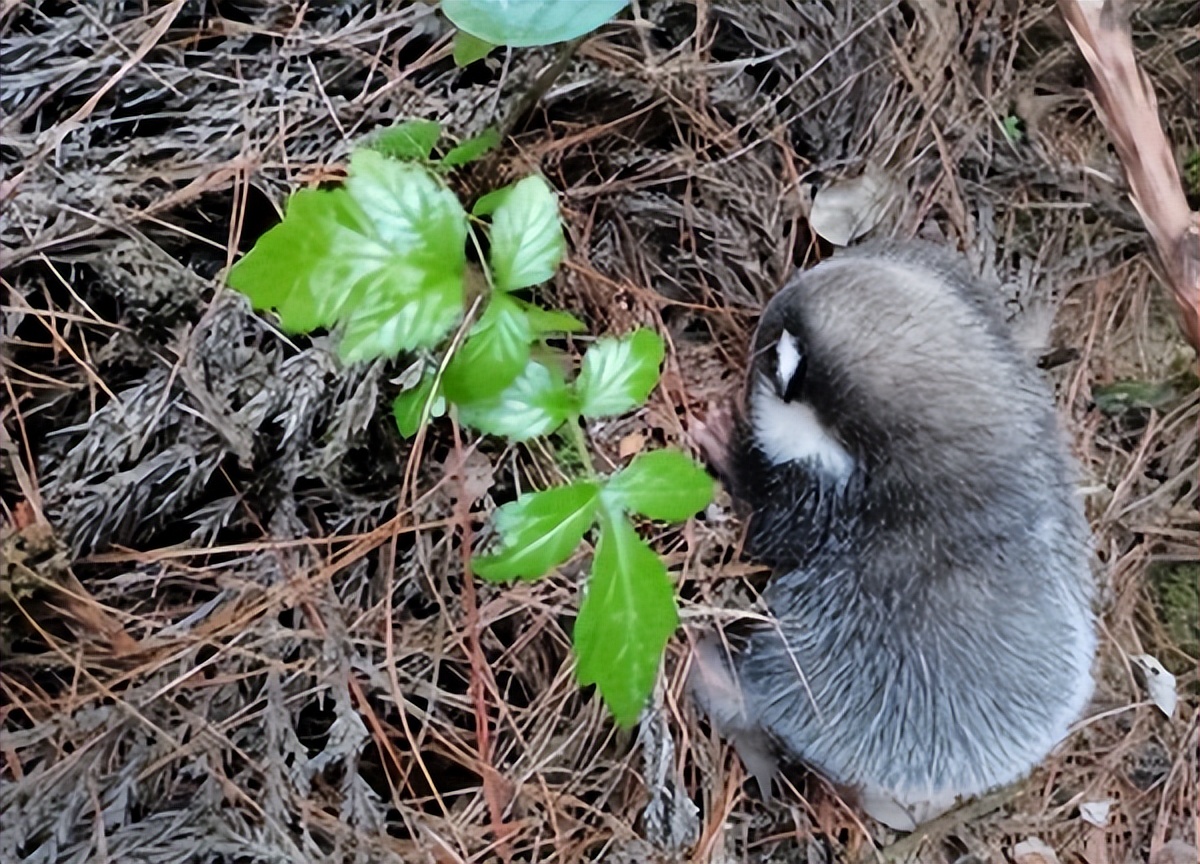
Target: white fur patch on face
(787, 355)
(791, 432)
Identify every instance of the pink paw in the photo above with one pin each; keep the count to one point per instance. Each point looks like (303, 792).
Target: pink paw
(712, 437)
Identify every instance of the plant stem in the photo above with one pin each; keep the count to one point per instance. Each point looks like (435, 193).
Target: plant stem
(527, 100)
(580, 442)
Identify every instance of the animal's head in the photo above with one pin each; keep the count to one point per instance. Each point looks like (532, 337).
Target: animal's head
(874, 359)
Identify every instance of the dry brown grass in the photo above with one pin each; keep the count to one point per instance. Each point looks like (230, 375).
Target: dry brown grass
(234, 623)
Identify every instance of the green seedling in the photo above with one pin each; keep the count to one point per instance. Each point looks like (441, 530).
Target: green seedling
(383, 262)
(1012, 129)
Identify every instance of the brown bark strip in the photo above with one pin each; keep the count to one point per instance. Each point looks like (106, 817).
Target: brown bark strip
(497, 793)
(1126, 104)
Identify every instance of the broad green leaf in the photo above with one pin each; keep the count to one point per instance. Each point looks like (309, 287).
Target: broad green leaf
(539, 531)
(662, 484)
(524, 23)
(527, 242)
(409, 289)
(409, 406)
(536, 403)
(627, 615)
(472, 148)
(487, 204)
(493, 355)
(294, 268)
(400, 309)
(618, 374)
(468, 48)
(411, 139)
(544, 321)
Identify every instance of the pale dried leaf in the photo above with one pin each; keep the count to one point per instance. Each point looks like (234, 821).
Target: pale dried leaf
(1096, 812)
(1160, 684)
(631, 445)
(848, 209)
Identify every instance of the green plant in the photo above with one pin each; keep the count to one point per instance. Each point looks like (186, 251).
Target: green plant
(484, 24)
(383, 260)
(1013, 129)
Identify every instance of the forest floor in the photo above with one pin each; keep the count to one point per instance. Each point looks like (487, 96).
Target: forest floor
(233, 622)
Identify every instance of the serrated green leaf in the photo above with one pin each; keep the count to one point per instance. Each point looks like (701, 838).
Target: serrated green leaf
(524, 23)
(494, 354)
(400, 310)
(662, 484)
(536, 403)
(619, 374)
(294, 268)
(468, 48)
(409, 291)
(411, 139)
(1012, 129)
(545, 321)
(411, 211)
(384, 258)
(627, 615)
(527, 242)
(279, 264)
(472, 148)
(409, 406)
(539, 531)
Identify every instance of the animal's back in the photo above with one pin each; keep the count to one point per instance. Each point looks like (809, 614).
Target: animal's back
(932, 689)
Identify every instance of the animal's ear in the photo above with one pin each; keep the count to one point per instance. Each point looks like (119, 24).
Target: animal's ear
(787, 357)
(790, 367)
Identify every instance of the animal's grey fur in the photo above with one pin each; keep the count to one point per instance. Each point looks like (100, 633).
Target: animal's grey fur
(934, 634)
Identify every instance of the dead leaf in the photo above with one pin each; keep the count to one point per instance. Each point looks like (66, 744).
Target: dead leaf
(1096, 812)
(474, 477)
(1032, 850)
(631, 445)
(24, 515)
(411, 376)
(37, 565)
(1160, 684)
(95, 618)
(849, 209)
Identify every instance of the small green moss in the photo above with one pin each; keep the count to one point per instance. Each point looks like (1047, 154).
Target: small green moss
(1177, 589)
(1191, 173)
(566, 453)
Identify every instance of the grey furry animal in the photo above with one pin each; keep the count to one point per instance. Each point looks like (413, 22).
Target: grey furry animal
(905, 477)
